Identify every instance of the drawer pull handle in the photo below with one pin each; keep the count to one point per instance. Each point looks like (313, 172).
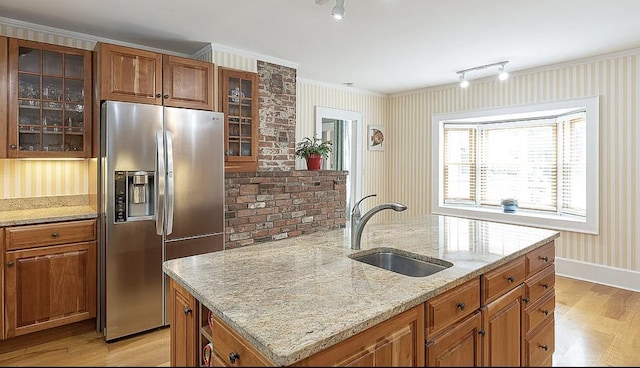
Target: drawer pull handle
(10, 264)
(481, 332)
(545, 259)
(510, 279)
(54, 234)
(544, 347)
(460, 306)
(187, 310)
(233, 357)
(546, 286)
(545, 312)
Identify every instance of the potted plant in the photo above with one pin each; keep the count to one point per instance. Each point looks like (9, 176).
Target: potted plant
(313, 150)
(509, 205)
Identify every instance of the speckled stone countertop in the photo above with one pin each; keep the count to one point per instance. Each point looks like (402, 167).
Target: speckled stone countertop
(295, 297)
(37, 210)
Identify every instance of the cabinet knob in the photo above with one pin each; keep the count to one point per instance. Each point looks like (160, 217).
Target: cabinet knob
(187, 310)
(54, 234)
(10, 264)
(460, 306)
(158, 95)
(545, 312)
(544, 347)
(526, 300)
(13, 147)
(481, 332)
(165, 96)
(510, 279)
(546, 286)
(545, 259)
(233, 357)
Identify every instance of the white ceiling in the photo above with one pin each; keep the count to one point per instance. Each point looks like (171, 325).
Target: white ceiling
(385, 46)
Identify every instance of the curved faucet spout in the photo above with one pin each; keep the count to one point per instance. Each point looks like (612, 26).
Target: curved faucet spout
(357, 222)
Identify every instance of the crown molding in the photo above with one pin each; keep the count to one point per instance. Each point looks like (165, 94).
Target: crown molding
(254, 55)
(341, 87)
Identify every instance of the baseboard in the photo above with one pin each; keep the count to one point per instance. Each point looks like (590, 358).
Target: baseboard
(605, 275)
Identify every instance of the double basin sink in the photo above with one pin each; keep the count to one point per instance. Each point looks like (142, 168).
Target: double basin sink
(405, 263)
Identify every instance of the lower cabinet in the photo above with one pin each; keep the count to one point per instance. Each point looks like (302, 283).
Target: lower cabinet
(502, 326)
(183, 310)
(461, 346)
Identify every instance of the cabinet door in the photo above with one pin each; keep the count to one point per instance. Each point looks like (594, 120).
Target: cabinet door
(396, 342)
(187, 83)
(129, 75)
(502, 325)
(3, 97)
(49, 100)
(239, 103)
(183, 327)
(49, 286)
(460, 346)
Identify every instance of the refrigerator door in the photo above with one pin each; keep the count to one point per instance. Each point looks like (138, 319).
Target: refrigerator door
(133, 256)
(195, 172)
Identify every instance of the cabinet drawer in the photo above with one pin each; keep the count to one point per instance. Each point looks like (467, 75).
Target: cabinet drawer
(540, 258)
(227, 342)
(452, 306)
(504, 278)
(539, 284)
(29, 236)
(540, 347)
(536, 314)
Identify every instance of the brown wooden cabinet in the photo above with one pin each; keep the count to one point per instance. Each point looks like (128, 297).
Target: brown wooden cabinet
(399, 341)
(239, 101)
(48, 285)
(183, 320)
(139, 76)
(49, 109)
(458, 346)
(502, 328)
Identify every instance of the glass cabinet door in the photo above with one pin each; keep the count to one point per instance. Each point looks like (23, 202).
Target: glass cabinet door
(50, 99)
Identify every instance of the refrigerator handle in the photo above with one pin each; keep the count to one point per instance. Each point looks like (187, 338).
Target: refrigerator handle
(170, 184)
(160, 179)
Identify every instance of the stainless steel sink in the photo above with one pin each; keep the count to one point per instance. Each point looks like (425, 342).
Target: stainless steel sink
(401, 262)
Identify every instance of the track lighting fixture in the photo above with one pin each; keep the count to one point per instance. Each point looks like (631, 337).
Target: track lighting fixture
(338, 11)
(502, 74)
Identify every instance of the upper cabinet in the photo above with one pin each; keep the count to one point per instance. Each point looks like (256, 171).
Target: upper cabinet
(139, 76)
(49, 101)
(3, 97)
(239, 102)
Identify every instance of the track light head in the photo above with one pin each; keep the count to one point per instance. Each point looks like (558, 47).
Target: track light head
(338, 11)
(502, 74)
(463, 82)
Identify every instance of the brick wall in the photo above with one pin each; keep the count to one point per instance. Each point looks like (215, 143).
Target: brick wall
(272, 205)
(277, 121)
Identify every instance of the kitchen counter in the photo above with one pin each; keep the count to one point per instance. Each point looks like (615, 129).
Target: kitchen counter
(37, 210)
(295, 297)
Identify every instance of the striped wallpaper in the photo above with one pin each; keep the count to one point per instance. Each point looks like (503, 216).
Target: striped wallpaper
(37, 178)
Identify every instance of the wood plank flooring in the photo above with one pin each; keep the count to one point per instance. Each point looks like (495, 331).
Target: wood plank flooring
(596, 325)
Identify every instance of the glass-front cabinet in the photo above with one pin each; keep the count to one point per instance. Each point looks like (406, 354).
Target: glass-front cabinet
(49, 100)
(239, 103)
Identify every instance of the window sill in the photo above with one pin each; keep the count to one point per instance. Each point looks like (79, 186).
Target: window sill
(522, 217)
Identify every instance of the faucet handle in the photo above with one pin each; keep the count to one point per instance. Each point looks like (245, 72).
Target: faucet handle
(356, 209)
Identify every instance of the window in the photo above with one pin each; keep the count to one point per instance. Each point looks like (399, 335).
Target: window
(544, 156)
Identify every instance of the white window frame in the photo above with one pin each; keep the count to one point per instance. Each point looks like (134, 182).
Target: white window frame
(588, 224)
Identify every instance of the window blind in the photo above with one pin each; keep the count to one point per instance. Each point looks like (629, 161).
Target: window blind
(459, 164)
(574, 163)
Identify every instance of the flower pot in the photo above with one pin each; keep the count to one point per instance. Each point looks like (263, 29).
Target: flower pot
(314, 162)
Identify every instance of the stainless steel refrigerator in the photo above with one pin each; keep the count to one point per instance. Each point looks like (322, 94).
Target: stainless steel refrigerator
(162, 197)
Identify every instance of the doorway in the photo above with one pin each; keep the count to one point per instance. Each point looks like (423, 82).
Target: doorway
(344, 129)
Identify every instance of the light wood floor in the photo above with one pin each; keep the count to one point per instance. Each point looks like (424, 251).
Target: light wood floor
(595, 326)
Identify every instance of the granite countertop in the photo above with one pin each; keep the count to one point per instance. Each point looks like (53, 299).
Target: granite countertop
(295, 297)
(37, 210)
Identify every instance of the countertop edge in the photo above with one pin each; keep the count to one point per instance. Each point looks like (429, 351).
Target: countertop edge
(44, 215)
(312, 349)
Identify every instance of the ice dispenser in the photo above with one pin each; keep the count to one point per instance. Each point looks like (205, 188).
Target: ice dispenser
(135, 193)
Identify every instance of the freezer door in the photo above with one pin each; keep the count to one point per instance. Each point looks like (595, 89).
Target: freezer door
(195, 172)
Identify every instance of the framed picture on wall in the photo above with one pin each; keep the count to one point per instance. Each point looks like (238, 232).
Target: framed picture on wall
(376, 138)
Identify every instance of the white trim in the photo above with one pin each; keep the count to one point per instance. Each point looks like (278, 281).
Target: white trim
(599, 274)
(592, 222)
(81, 36)
(205, 49)
(341, 87)
(254, 55)
(327, 112)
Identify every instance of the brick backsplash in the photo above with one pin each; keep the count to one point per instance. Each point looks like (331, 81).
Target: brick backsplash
(272, 205)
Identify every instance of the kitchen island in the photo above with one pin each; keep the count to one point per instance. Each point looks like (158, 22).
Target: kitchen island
(291, 300)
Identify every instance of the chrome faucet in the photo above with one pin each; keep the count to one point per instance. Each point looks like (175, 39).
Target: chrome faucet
(358, 221)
